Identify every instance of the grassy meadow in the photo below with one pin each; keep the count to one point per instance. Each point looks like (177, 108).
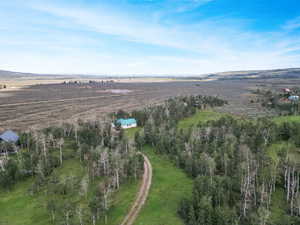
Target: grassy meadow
(121, 203)
(282, 119)
(169, 186)
(131, 132)
(199, 117)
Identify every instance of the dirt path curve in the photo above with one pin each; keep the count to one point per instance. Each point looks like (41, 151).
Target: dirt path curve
(142, 195)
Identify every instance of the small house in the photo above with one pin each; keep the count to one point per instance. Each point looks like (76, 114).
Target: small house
(9, 136)
(127, 123)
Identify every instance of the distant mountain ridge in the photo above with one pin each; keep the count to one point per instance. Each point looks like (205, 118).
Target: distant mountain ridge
(10, 74)
(5, 74)
(230, 75)
(256, 74)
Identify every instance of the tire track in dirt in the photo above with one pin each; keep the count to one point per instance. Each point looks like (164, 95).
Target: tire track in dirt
(142, 195)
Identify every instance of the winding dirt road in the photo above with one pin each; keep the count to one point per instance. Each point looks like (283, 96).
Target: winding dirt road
(142, 195)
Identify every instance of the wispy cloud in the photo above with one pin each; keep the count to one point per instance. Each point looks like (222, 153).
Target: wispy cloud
(180, 6)
(211, 36)
(292, 24)
(128, 28)
(103, 39)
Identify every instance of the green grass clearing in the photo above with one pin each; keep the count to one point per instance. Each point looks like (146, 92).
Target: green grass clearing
(289, 119)
(199, 117)
(293, 153)
(122, 202)
(131, 132)
(169, 186)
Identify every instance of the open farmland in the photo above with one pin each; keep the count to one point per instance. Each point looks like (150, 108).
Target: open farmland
(48, 103)
(43, 104)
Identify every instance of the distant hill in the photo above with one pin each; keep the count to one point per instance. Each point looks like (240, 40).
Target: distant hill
(257, 74)
(4, 74)
(10, 74)
(290, 73)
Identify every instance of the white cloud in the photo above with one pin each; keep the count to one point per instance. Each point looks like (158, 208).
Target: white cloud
(217, 44)
(210, 36)
(108, 22)
(202, 38)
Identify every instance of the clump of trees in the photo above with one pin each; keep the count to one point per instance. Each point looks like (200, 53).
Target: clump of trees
(106, 157)
(7, 148)
(278, 100)
(175, 109)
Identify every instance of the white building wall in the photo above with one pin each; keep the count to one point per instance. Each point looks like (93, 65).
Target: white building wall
(129, 126)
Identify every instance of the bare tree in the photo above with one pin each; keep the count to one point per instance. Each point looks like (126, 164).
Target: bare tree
(61, 143)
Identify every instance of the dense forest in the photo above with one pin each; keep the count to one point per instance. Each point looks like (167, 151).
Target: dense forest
(239, 166)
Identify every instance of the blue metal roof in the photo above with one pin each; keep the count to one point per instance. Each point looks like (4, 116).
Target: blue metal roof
(126, 122)
(9, 136)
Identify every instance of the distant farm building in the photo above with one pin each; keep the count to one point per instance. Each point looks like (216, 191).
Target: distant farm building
(9, 136)
(126, 123)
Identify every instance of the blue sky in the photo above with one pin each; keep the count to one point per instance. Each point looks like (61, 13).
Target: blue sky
(148, 36)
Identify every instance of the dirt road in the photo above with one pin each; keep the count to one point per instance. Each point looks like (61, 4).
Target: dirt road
(142, 195)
